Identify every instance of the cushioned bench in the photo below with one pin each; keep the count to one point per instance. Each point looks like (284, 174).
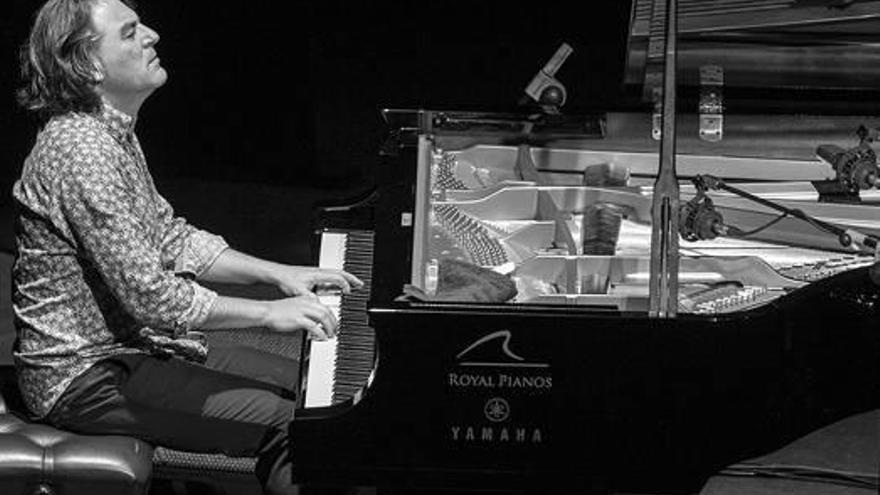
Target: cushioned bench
(39, 459)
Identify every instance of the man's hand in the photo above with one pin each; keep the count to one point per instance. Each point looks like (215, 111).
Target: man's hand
(302, 313)
(302, 280)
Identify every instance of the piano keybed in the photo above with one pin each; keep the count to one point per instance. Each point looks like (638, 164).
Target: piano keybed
(339, 369)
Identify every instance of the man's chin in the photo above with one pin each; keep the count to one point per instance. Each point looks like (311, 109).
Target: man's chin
(161, 76)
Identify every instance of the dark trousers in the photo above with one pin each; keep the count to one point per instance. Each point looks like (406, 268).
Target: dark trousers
(238, 403)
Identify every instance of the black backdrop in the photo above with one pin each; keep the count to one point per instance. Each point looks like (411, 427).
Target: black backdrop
(288, 93)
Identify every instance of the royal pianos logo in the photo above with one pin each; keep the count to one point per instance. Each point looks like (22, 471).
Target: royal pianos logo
(491, 368)
(489, 362)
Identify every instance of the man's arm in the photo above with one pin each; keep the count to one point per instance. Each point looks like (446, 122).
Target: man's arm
(191, 250)
(114, 238)
(235, 267)
(283, 315)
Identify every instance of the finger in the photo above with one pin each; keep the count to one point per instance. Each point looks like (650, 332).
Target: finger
(323, 315)
(295, 289)
(330, 279)
(347, 279)
(339, 279)
(352, 280)
(316, 332)
(329, 322)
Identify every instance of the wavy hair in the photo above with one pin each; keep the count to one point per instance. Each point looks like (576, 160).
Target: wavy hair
(57, 68)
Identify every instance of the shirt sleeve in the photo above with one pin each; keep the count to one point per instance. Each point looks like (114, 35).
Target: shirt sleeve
(186, 249)
(100, 209)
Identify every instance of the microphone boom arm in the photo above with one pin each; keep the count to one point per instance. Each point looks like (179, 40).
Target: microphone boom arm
(846, 237)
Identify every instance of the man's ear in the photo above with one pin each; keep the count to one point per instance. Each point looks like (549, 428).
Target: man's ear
(97, 71)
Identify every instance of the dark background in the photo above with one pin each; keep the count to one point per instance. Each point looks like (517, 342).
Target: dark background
(288, 93)
(272, 107)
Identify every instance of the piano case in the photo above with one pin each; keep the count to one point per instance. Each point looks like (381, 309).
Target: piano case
(576, 383)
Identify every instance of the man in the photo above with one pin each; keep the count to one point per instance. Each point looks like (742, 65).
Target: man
(106, 294)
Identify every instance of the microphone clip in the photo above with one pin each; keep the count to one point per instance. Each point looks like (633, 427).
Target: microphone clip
(699, 220)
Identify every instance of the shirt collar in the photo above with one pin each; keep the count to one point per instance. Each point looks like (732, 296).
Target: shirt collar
(120, 124)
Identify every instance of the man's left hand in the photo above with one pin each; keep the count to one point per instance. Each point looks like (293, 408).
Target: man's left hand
(302, 280)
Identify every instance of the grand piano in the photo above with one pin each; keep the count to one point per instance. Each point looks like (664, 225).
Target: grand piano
(688, 284)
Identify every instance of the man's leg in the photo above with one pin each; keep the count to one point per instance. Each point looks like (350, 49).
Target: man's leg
(183, 406)
(255, 363)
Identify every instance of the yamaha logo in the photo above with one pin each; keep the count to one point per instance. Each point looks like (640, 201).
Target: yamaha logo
(497, 410)
(485, 369)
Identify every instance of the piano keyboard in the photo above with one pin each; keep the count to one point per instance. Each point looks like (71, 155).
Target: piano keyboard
(338, 369)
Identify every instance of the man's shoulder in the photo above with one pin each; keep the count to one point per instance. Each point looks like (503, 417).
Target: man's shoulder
(74, 132)
(69, 144)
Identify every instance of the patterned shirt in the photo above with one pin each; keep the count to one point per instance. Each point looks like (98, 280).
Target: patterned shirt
(103, 267)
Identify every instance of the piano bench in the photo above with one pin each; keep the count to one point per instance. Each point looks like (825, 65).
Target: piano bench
(37, 459)
(206, 469)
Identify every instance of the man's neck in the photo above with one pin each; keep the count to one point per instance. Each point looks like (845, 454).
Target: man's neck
(127, 105)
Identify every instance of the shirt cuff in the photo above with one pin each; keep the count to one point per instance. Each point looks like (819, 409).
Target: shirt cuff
(203, 301)
(199, 252)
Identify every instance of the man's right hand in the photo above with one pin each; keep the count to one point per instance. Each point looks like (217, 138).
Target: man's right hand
(304, 312)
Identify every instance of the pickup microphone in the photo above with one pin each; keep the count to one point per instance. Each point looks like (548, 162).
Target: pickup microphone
(544, 88)
(856, 168)
(698, 220)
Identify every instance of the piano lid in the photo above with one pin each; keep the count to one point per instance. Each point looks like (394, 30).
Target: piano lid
(810, 53)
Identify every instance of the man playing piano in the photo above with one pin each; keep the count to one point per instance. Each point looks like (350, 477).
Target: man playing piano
(106, 280)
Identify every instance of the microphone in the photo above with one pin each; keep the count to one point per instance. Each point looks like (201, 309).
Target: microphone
(698, 220)
(544, 88)
(856, 168)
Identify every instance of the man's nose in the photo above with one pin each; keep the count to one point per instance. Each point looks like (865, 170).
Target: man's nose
(151, 37)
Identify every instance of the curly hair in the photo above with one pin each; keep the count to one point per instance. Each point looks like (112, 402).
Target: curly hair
(57, 68)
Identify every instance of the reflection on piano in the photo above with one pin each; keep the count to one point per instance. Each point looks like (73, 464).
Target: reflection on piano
(572, 384)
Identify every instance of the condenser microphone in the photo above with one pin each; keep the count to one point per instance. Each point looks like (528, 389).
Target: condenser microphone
(699, 221)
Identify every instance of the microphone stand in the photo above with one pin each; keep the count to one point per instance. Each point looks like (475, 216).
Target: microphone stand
(663, 281)
(846, 237)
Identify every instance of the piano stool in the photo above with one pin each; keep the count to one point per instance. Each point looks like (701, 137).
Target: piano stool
(41, 460)
(842, 458)
(37, 459)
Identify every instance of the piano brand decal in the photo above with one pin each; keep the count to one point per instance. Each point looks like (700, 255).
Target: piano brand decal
(490, 363)
(488, 366)
(506, 358)
(496, 410)
(499, 380)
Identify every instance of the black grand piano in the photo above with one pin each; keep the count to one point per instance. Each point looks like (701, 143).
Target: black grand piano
(621, 301)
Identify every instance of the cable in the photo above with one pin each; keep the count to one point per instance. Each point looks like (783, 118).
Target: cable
(845, 236)
(745, 233)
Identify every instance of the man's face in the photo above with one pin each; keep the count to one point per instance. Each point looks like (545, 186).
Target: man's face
(126, 52)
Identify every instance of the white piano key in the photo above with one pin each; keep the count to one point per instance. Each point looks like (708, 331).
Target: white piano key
(322, 355)
(322, 358)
